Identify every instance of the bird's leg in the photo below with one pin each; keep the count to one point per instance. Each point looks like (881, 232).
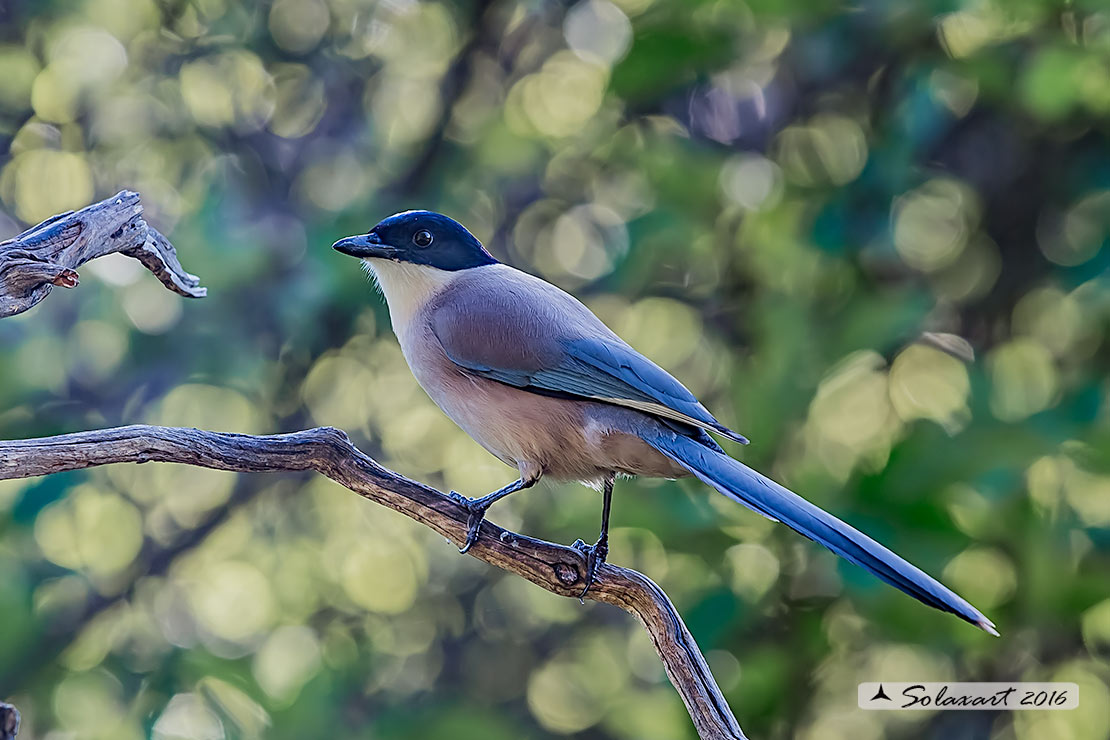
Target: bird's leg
(476, 507)
(597, 552)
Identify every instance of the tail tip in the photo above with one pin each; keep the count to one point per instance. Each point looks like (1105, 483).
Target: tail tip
(987, 626)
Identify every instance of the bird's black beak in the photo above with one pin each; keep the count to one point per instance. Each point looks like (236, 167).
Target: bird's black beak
(364, 246)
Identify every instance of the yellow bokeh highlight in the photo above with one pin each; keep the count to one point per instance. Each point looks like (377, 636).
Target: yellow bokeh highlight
(59, 595)
(187, 715)
(751, 181)
(1053, 318)
(97, 349)
(828, 150)
(965, 32)
(79, 696)
(151, 308)
(232, 600)
(933, 223)
(90, 530)
(299, 101)
(123, 18)
(754, 569)
(20, 70)
(926, 383)
(1055, 480)
(585, 243)
(335, 180)
(598, 30)
(985, 576)
(286, 662)
(298, 25)
(251, 719)
(99, 637)
(415, 40)
(654, 713)
(972, 273)
(559, 99)
(339, 391)
(573, 690)
(1023, 379)
(43, 182)
(851, 417)
(1076, 235)
(1095, 627)
(955, 92)
(210, 407)
(971, 511)
(381, 577)
(1045, 479)
(670, 332)
(1087, 493)
(228, 89)
(82, 60)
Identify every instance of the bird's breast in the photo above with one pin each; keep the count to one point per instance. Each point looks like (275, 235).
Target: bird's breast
(514, 425)
(567, 439)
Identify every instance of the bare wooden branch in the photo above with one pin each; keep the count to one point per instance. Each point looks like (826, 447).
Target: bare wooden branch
(328, 451)
(49, 254)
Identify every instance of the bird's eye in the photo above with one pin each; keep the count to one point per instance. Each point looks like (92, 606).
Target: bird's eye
(422, 238)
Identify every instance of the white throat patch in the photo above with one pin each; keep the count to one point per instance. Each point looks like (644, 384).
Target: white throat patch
(406, 287)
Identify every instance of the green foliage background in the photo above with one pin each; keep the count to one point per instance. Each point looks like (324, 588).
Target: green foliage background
(773, 200)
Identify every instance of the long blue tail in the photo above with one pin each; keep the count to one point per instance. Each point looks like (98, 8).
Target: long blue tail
(761, 494)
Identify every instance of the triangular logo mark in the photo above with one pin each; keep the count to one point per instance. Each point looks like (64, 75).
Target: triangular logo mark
(880, 694)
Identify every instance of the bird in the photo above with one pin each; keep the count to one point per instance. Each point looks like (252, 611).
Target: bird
(539, 381)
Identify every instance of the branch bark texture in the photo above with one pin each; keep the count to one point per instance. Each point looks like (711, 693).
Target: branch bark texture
(328, 451)
(49, 254)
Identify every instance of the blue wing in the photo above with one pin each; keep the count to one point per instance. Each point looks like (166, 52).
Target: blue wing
(553, 344)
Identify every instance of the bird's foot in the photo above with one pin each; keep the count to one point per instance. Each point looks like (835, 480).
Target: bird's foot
(595, 556)
(476, 512)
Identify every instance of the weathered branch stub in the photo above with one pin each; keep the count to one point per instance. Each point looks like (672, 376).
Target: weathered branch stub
(48, 254)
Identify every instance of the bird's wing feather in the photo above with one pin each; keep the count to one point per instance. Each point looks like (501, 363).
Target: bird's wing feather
(534, 336)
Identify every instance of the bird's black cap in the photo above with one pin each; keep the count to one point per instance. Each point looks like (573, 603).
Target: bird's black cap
(422, 238)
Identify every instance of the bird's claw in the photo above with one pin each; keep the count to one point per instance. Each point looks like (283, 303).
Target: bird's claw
(595, 556)
(475, 514)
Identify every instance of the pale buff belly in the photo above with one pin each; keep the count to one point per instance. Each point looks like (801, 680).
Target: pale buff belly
(561, 438)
